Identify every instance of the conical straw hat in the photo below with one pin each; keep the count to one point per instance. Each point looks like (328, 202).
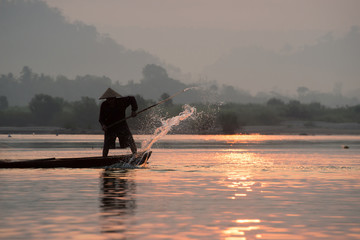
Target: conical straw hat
(109, 93)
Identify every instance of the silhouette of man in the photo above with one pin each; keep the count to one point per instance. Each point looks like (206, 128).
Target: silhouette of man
(112, 113)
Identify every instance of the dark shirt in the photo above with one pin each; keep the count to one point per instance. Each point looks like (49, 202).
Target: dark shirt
(111, 112)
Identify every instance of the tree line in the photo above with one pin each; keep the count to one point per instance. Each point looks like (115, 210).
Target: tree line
(275, 111)
(82, 115)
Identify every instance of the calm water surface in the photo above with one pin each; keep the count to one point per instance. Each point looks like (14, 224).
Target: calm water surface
(195, 187)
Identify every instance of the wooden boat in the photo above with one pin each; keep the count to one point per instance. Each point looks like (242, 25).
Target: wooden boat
(119, 161)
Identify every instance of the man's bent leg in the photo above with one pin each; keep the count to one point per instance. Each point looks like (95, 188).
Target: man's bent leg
(133, 146)
(126, 140)
(109, 142)
(105, 151)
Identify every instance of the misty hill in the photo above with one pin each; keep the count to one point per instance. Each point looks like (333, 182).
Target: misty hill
(35, 35)
(154, 83)
(330, 63)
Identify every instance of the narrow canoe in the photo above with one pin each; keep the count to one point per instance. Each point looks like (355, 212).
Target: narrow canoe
(80, 162)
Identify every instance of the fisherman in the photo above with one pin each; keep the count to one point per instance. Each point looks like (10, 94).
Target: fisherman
(112, 120)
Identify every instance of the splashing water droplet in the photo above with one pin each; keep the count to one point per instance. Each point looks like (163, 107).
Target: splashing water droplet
(166, 126)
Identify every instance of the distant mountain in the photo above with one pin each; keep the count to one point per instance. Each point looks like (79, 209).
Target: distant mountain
(329, 65)
(35, 35)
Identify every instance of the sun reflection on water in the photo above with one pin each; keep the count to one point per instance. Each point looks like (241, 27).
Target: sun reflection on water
(248, 220)
(242, 190)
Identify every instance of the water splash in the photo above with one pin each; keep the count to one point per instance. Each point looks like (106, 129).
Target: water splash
(166, 126)
(191, 88)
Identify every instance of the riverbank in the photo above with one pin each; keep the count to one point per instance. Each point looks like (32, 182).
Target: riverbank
(47, 130)
(305, 128)
(287, 128)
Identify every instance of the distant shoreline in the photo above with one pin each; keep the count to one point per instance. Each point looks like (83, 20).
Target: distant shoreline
(285, 128)
(46, 130)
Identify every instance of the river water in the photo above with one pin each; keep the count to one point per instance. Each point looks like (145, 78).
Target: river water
(195, 187)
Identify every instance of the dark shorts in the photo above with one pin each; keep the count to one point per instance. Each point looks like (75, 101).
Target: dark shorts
(124, 135)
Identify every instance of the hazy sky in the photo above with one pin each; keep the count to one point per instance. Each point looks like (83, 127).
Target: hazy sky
(241, 15)
(192, 34)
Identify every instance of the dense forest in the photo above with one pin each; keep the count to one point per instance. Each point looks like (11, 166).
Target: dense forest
(74, 105)
(82, 115)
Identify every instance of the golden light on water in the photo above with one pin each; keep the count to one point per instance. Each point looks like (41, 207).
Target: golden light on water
(239, 233)
(246, 138)
(248, 221)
